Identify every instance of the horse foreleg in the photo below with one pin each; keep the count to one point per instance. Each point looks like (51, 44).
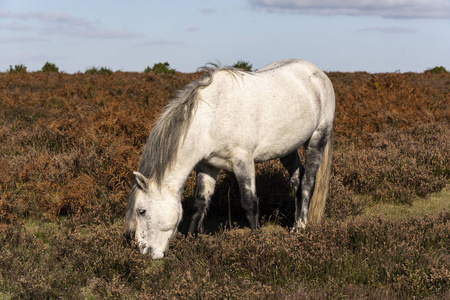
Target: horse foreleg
(244, 170)
(206, 181)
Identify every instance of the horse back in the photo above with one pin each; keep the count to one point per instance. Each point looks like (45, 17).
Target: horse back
(268, 113)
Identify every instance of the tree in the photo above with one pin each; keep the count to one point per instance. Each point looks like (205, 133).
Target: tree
(49, 67)
(244, 65)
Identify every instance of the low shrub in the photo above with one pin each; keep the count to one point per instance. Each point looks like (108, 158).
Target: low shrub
(50, 67)
(17, 69)
(436, 70)
(361, 258)
(82, 130)
(244, 65)
(69, 145)
(371, 103)
(400, 165)
(98, 70)
(160, 68)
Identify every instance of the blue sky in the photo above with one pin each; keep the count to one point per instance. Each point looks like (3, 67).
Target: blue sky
(336, 35)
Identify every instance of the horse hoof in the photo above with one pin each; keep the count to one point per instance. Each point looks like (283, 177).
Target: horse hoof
(298, 227)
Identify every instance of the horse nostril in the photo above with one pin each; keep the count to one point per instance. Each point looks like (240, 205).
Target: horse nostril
(129, 236)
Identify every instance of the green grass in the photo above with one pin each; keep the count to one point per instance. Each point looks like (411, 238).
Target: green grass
(433, 204)
(5, 296)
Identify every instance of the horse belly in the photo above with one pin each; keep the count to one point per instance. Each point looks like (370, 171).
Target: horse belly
(284, 124)
(278, 141)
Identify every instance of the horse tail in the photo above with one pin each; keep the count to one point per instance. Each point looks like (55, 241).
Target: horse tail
(318, 199)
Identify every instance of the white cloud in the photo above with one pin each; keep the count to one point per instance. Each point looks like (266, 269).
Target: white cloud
(62, 23)
(208, 11)
(49, 17)
(14, 26)
(61, 18)
(192, 29)
(160, 42)
(389, 30)
(383, 8)
(25, 39)
(104, 34)
(7, 40)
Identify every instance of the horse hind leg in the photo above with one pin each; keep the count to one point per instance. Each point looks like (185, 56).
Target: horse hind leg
(244, 170)
(293, 165)
(314, 152)
(205, 184)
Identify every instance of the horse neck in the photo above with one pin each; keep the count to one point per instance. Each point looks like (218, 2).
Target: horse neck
(187, 159)
(193, 147)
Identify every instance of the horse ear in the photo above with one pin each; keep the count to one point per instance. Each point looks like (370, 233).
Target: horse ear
(141, 181)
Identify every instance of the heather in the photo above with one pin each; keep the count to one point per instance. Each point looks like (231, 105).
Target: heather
(69, 144)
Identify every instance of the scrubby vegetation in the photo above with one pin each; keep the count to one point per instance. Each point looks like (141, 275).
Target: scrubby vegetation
(159, 68)
(50, 67)
(69, 144)
(244, 65)
(98, 70)
(436, 70)
(17, 69)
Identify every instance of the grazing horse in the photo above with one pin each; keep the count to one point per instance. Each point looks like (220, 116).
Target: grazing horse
(231, 119)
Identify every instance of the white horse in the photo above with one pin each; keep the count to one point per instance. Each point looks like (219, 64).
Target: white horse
(229, 119)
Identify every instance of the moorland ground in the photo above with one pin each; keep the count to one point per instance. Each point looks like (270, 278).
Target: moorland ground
(69, 144)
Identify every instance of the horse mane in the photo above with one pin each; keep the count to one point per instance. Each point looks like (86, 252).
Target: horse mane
(160, 151)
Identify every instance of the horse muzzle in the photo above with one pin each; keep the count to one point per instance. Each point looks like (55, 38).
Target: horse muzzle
(153, 254)
(157, 255)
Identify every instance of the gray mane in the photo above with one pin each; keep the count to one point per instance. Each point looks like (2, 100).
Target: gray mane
(160, 151)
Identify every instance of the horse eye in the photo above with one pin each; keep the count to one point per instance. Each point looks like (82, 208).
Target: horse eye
(141, 212)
